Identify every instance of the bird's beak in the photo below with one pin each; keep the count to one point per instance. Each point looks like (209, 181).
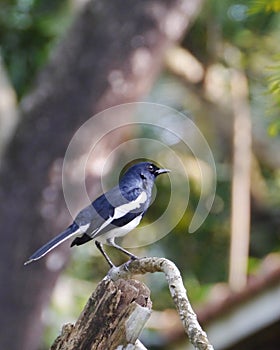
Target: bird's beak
(161, 171)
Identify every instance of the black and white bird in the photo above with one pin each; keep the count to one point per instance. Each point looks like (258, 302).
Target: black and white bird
(113, 214)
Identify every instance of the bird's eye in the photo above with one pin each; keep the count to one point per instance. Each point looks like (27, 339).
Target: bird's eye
(150, 168)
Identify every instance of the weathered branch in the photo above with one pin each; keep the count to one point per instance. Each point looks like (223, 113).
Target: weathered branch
(119, 308)
(113, 318)
(178, 292)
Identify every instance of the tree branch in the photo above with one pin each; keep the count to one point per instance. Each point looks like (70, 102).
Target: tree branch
(178, 292)
(120, 306)
(113, 318)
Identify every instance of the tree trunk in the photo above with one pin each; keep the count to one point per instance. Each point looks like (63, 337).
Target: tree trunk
(114, 316)
(108, 39)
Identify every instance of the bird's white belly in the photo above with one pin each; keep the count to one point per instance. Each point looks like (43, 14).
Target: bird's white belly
(119, 231)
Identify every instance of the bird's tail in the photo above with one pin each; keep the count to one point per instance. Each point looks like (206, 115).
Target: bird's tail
(63, 236)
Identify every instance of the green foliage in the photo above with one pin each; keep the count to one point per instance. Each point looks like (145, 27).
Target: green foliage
(252, 29)
(273, 81)
(266, 9)
(264, 6)
(28, 31)
(239, 34)
(253, 265)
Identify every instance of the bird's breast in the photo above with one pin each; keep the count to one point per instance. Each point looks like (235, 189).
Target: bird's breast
(120, 231)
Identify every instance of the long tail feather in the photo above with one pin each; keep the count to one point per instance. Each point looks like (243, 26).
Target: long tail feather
(63, 236)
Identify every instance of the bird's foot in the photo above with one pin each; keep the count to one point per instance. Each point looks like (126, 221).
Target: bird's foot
(132, 258)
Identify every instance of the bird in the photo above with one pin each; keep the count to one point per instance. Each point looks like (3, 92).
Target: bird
(111, 215)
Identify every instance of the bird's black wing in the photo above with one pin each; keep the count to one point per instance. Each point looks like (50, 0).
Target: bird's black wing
(115, 208)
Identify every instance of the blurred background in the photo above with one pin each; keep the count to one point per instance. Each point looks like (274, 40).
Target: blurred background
(217, 62)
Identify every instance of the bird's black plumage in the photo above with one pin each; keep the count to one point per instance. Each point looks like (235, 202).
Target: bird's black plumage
(111, 215)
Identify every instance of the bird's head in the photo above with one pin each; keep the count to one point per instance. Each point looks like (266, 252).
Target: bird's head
(143, 175)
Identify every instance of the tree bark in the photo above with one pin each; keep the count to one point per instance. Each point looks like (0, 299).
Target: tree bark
(120, 306)
(177, 290)
(114, 316)
(119, 38)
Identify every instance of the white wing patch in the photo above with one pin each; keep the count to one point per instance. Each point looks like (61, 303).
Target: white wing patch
(105, 223)
(83, 228)
(122, 210)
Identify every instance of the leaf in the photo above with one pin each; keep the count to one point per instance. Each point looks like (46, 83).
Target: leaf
(264, 6)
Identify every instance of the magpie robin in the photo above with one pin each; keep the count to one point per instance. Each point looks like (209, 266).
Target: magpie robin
(111, 215)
